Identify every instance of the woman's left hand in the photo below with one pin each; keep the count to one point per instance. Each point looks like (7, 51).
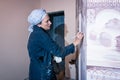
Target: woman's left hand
(78, 38)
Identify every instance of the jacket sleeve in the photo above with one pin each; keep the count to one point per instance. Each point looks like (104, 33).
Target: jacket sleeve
(51, 47)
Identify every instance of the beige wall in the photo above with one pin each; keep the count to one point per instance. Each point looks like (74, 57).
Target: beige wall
(69, 7)
(14, 59)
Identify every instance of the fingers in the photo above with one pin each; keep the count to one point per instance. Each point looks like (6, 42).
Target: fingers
(78, 38)
(79, 35)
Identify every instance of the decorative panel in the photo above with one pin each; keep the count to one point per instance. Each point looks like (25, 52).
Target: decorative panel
(100, 51)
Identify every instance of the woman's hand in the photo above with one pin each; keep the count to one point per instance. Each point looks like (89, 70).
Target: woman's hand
(78, 38)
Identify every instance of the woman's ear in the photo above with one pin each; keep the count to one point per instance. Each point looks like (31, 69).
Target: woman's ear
(38, 25)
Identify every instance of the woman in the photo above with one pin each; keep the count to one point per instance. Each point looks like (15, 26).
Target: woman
(42, 48)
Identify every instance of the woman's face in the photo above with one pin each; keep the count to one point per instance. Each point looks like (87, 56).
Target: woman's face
(46, 23)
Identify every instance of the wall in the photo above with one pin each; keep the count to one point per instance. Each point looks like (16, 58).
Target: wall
(69, 8)
(14, 59)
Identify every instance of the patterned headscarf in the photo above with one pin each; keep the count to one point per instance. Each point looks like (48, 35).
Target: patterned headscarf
(35, 17)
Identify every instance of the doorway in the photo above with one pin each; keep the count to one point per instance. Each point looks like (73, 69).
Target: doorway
(57, 27)
(57, 34)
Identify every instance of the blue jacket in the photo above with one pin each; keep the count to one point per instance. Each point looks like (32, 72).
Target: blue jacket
(41, 49)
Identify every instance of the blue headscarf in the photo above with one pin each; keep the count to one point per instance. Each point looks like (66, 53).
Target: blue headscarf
(35, 17)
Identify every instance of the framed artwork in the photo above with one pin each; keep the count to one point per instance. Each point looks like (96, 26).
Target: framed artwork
(100, 52)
